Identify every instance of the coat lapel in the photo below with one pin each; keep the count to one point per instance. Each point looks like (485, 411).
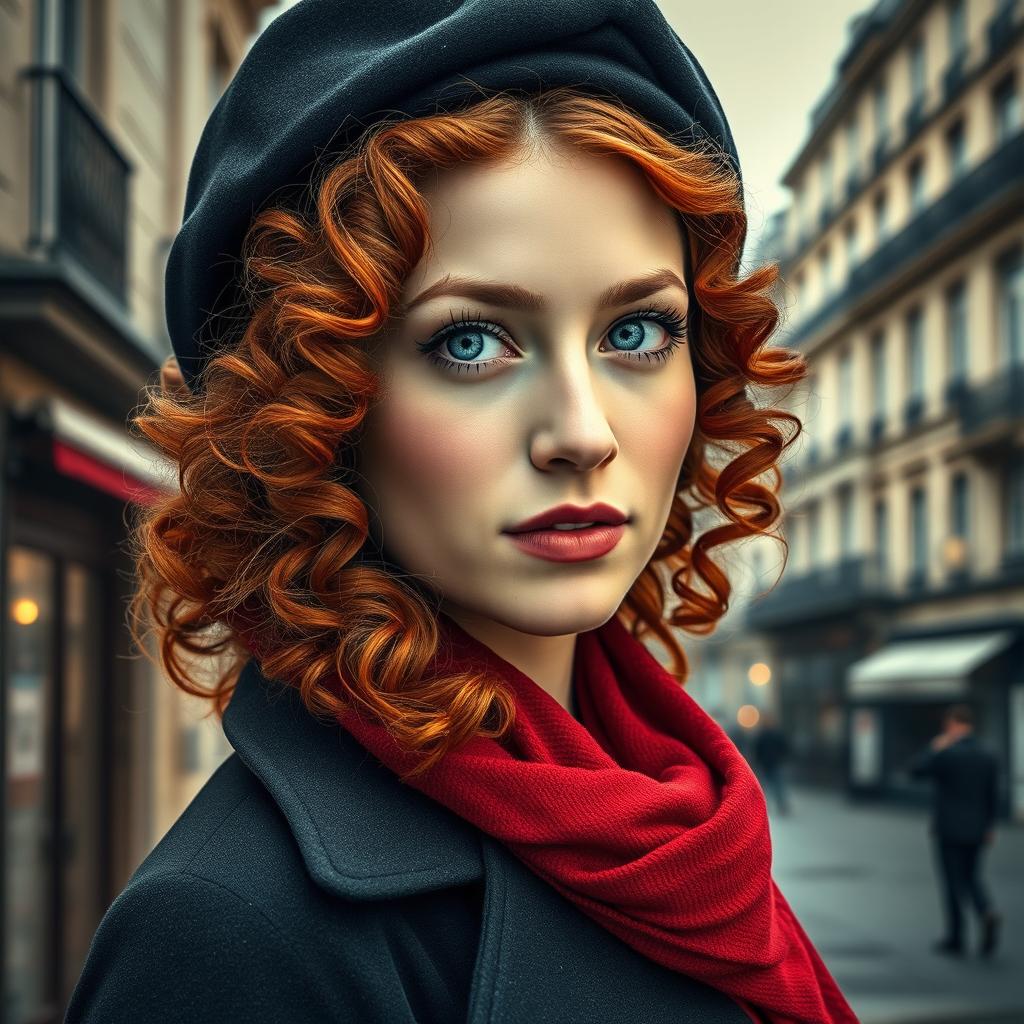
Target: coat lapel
(365, 836)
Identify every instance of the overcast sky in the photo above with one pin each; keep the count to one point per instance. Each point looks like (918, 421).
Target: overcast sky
(769, 61)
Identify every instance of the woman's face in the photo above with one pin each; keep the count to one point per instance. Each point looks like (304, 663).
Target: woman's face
(542, 402)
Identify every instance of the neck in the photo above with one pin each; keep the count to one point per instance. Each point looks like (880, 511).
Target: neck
(547, 660)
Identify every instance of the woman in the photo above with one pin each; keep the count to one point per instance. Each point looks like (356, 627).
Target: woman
(440, 446)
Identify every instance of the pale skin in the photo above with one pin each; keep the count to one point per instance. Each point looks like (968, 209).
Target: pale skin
(449, 458)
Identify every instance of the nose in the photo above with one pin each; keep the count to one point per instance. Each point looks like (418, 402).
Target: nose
(572, 425)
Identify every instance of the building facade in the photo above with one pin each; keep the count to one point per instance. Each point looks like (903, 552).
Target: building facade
(101, 106)
(902, 259)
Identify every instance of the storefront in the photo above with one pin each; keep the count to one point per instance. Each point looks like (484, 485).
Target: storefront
(897, 697)
(74, 807)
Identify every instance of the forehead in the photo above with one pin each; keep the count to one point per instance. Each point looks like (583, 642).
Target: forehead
(546, 217)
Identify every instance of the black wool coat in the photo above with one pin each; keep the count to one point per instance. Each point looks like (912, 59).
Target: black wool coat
(965, 798)
(306, 883)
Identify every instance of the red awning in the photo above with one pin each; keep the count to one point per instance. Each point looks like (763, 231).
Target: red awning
(82, 466)
(90, 450)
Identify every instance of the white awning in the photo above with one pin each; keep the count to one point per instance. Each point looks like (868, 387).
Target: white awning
(932, 667)
(115, 447)
(99, 454)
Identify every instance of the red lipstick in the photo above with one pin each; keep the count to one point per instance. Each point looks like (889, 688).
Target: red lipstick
(538, 536)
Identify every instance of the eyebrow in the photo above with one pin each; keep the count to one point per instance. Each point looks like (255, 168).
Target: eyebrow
(515, 297)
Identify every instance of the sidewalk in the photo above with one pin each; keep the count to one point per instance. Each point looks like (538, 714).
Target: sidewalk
(862, 880)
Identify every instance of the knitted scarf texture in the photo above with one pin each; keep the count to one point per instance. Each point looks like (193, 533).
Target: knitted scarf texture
(644, 814)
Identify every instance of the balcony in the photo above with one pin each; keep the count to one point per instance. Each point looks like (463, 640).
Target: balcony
(1011, 569)
(843, 588)
(983, 408)
(63, 298)
(913, 411)
(80, 178)
(917, 581)
(825, 215)
(987, 191)
(955, 390)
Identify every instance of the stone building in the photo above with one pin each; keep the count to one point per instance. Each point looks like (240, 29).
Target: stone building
(902, 262)
(101, 106)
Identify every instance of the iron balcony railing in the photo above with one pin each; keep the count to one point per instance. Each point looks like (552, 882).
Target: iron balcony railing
(79, 202)
(839, 588)
(995, 181)
(999, 398)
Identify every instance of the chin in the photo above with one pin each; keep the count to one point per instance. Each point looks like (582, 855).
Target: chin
(553, 609)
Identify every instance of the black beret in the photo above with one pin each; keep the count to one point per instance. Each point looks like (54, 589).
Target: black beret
(325, 70)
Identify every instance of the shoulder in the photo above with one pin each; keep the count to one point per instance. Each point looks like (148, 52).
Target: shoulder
(212, 925)
(176, 946)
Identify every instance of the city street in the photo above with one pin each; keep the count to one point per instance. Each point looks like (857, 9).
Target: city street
(862, 879)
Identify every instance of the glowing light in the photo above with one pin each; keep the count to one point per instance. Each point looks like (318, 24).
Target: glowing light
(748, 716)
(759, 673)
(24, 611)
(954, 552)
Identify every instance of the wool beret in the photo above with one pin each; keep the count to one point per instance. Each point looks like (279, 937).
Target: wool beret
(325, 70)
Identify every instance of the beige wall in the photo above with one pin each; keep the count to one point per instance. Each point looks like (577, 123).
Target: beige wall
(149, 74)
(16, 40)
(974, 106)
(933, 451)
(152, 70)
(928, 455)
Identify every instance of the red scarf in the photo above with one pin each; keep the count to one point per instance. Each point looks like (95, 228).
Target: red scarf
(646, 817)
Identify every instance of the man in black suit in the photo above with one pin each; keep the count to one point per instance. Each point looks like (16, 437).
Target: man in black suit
(966, 780)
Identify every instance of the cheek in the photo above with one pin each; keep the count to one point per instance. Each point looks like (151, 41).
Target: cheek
(419, 451)
(661, 431)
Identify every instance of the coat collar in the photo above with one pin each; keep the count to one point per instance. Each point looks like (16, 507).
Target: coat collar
(363, 834)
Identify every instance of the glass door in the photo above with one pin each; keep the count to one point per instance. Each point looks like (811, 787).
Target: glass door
(29, 925)
(53, 851)
(81, 884)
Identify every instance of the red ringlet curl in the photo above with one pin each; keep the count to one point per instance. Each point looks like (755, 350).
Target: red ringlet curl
(264, 530)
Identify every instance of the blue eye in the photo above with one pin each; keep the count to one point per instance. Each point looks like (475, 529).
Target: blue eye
(466, 338)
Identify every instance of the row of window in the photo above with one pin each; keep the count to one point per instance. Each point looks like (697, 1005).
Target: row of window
(918, 526)
(1005, 103)
(956, 317)
(917, 73)
(1007, 115)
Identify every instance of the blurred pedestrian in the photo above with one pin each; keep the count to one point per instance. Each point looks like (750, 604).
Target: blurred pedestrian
(771, 751)
(966, 780)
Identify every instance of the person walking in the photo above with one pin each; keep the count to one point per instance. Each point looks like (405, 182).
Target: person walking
(771, 750)
(966, 781)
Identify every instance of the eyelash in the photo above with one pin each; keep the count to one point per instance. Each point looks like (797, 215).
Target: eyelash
(671, 319)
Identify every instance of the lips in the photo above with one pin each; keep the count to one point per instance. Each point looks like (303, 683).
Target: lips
(597, 513)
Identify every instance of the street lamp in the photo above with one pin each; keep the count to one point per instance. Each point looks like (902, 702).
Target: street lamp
(759, 674)
(748, 716)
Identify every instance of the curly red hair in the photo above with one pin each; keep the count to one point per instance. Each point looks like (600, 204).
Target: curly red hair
(264, 528)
